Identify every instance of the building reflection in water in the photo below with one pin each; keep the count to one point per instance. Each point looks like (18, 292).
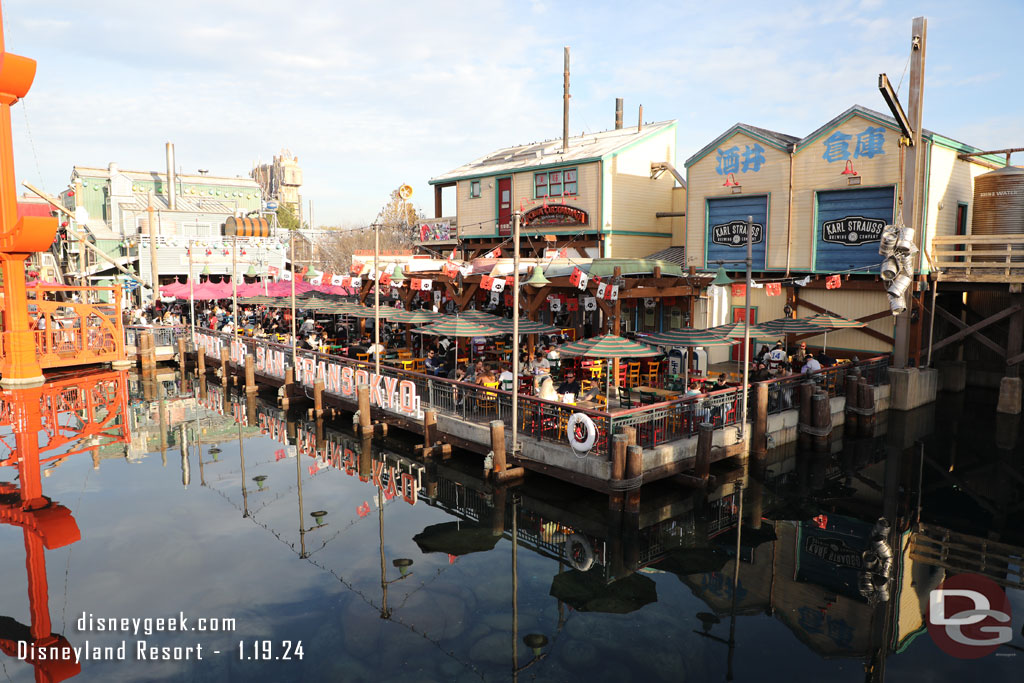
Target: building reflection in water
(70, 415)
(841, 547)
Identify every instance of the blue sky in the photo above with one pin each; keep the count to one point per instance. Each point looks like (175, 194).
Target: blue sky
(373, 95)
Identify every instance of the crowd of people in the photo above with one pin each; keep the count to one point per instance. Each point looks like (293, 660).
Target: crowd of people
(780, 362)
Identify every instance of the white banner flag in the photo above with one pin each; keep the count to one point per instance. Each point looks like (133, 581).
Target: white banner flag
(600, 290)
(357, 283)
(336, 280)
(286, 275)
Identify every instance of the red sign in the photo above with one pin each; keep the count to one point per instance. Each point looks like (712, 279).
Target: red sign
(739, 290)
(555, 214)
(833, 282)
(773, 288)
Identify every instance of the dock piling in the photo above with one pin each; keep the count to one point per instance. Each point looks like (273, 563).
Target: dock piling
(759, 445)
(619, 444)
(250, 378)
(182, 353)
(634, 470)
(501, 472)
(805, 419)
(821, 421)
(318, 398)
(851, 426)
(866, 402)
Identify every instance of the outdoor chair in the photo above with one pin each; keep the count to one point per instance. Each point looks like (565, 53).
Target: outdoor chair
(648, 397)
(364, 357)
(633, 380)
(651, 376)
(419, 365)
(487, 401)
(625, 398)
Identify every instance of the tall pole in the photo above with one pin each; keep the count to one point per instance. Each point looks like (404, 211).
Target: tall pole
(746, 327)
(515, 333)
(565, 103)
(234, 283)
(191, 293)
(152, 252)
(295, 352)
(376, 300)
(913, 178)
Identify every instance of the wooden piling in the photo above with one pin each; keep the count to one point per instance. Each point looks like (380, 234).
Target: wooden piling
(634, 470)
(501, 472)
(705, 435)
(225, 355)
(318, 398)
(289, 378)
(363, 406)
(498, 511)
(759, 445)
(146, 351)
(182, 354)
(201, 361)
(821, 416)
(431, 446)
(805, 419)
(250, 377)
(753, 501)
(851, 426)
(365, 465)
(619, 444)
(866, 401)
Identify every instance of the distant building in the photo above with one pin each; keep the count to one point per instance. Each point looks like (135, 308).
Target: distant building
(610, 194)
(111, 208)
(281, 180)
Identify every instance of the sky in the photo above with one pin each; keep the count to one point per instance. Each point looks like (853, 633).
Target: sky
(373, 95)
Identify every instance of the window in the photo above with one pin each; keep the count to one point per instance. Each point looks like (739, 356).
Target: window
(474, 189)
(555, 183)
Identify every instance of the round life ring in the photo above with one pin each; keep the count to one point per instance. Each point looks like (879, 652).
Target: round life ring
(579, 552)
(582, 432)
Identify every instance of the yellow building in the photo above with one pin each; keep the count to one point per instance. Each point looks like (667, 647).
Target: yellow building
(818, 205)
(610, 194)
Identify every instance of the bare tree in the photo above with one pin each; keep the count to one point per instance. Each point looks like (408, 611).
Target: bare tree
(399, 229)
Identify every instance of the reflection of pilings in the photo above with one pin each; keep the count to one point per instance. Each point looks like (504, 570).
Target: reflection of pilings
(366, 456)
(149, 387)
(616, 559)
(186, 469)
(202, 386)
(250, 410)
(162, 413)
(630, 542)
(754, 502)
(619, 444)
(821, 414)
(498, 512)
(292, 430)
(804, 438)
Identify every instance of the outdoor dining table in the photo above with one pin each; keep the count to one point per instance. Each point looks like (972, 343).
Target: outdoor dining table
(665, 394)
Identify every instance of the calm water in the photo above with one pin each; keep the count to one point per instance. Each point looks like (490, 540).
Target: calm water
(452, 586)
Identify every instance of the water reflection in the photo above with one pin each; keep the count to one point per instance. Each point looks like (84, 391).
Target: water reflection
(47, 425)
(395, 562)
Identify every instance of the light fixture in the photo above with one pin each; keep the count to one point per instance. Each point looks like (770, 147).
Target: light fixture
(206, 270)
(852, 177)
(252, 271)
(259, 479)
(313, 272)
(721, 279)
(730, 180)
(537, 278)
(318, 516)
(536, 642)
(403, 564)
(398, 278)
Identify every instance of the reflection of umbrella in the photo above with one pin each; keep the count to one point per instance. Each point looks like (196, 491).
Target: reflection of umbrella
(588, 592)
(749, 538)
(609, 346)
(693, 561)
(834, 322)
(456, 538)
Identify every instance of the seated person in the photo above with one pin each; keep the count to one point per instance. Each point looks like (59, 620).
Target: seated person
(458, 373)
(569, 386)
(506, 380)
(486, 376)
(539, 365)
(433, 363)
(800, 353)
(544, 388)
(810, 365)
(760, 373)
(777, 356)
(475, 371)
(720, 383)
(825, 360)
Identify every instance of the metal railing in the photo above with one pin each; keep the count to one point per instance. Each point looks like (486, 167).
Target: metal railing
(78, 330)
(545, 420)
(784, 392)
(163, 335)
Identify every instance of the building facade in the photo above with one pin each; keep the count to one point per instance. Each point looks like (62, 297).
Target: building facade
(609, 194)
(281, 180)
(111, 207)
(818, 205)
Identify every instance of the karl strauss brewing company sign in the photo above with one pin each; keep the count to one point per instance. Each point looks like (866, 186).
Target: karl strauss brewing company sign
(852, 231)
(734, 234)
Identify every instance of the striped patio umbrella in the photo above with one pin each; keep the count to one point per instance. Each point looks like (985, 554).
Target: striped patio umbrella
(689, 338)
(414, 317)
(735, 329)
(609, 346)
(459, 327)
(834, 322)
(792, 326)
(360, 311)
(525, 326)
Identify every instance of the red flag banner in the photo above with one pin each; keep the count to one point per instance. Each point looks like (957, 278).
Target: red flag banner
(739, 290)
(773, 288)
(385, 280)
(357, 268)
(572, 305)
(486, 282)
(833, 282)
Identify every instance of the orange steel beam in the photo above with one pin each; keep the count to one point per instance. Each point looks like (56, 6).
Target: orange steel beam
(18, 237)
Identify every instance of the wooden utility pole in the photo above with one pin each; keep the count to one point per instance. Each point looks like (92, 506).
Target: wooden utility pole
(152, 252)
(565, 103)
(913, 184)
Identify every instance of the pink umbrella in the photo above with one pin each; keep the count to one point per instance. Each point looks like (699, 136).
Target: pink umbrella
(209, 290)
(178, 289)
(284, 288)
(250, 289)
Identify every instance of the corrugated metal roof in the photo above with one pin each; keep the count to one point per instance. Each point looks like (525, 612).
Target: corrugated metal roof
(549, 152)
(779, 140)
(675, 255)
(97, 172)
(184, 203)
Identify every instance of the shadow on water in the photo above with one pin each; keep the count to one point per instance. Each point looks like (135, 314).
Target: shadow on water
(386, 567)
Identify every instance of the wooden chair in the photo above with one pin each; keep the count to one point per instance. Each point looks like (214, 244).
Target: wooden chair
(633, 380)
(404, 353)
(651, 376)
(648, 397)
(487, 401)
(419, 365)
(364, 357)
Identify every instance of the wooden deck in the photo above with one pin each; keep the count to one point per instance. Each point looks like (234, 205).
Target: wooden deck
(979, 258)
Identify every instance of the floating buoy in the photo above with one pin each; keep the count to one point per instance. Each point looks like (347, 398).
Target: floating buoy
(582, 432)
